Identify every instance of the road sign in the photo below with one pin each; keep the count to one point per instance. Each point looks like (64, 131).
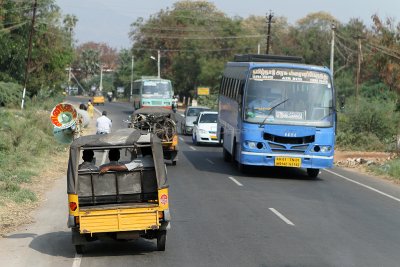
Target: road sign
(203, 91)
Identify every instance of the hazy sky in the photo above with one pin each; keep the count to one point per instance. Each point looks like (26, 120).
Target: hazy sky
(109, 21)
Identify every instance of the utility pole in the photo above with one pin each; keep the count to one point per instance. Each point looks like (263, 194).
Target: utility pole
(158, 64)
(269, 21)
(101, 78)
(258, 48)
(333, 28)
(130, 96)
(28, 60)
(359, 60)
(69, 67)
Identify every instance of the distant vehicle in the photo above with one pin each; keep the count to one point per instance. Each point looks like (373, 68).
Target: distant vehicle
(98, 98)
(190, 115)
(205, 128)
(275, 111)
(152, 92)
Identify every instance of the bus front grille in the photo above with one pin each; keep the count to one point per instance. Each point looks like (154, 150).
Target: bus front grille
(283, 151)
(289, 140)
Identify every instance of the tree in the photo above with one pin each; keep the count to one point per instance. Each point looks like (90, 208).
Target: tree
(312, 37)
(189, 35)
(50, 51)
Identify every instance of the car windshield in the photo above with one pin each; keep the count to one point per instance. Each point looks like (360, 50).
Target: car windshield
(208, 118)
(194, 112)
(287, 96)
(157, 89)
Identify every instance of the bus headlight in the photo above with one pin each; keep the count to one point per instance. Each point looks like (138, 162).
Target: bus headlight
(323, 149)
(251, 144)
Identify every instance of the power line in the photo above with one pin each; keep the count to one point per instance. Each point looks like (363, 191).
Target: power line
(6, 30)
(192, 50)
(178, 29)
(204, 37)
(383, 51)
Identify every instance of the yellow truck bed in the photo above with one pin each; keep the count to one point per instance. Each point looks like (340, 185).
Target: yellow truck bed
(117, 218)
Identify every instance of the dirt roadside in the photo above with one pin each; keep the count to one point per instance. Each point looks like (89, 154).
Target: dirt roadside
(13, 215)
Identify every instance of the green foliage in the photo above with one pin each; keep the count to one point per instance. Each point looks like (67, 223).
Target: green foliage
(390, 168)
(25, 140)
(51, 50)
(210, 101)
(10, 94)
(368, 124)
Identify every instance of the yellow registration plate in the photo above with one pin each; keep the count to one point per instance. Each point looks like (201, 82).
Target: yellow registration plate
(287, 162)
(214, 137)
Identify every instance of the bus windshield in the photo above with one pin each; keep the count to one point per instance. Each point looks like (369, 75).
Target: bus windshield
(157, 89)
(289, 96)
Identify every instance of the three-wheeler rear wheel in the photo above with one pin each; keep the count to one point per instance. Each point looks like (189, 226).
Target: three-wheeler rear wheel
(79, 249)
(161, 240)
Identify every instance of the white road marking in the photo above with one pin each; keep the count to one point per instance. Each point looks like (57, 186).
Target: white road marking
(283, 218)
(211, 162)
(363, 185)
(235, 181)
(77, 260)
(181, 138)
(192, 148)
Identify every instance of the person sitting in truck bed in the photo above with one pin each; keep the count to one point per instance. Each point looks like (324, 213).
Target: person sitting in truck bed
(87, 164)
(113, 157)
(143, 160)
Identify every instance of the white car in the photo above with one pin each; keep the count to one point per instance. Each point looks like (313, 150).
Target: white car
(190, 116)
(205, 128)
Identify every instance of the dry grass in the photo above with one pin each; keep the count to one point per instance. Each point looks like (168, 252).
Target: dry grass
(15, 214)
(12, 214)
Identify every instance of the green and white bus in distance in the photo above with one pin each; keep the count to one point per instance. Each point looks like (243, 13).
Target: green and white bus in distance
(152, 92)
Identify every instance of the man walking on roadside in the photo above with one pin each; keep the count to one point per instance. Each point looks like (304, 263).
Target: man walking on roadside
(103, 124)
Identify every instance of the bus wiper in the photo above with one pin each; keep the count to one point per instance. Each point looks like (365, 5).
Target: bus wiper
(272, 109)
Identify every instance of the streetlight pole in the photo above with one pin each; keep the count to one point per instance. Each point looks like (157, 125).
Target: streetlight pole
(332, 47)
(158, 64)
(101, 78)
(130, 96)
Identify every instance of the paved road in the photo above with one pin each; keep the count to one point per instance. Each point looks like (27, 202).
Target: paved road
(268, 217)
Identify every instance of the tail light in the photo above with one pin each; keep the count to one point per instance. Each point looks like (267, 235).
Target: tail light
(73, 206)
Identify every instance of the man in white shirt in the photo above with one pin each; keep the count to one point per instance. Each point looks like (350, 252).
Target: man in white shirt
(103, 124)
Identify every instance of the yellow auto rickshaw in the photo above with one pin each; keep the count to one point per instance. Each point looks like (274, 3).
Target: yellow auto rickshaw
(118, 204)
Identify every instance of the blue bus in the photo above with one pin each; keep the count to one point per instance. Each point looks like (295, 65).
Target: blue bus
(152, 92)
(276, 111)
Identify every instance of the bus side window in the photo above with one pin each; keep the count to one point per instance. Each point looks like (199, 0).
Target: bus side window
(240, 92)
(224, 81)
(228, 86)
(221, 85)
